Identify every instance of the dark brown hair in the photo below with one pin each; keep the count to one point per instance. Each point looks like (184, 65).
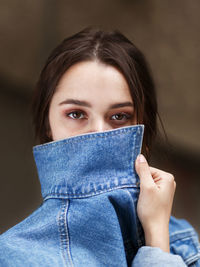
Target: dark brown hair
(111, 48)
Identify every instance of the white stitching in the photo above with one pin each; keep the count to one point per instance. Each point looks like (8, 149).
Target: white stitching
(67, 196)
(64, 236)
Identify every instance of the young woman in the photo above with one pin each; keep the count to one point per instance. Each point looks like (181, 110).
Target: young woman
(103, 204)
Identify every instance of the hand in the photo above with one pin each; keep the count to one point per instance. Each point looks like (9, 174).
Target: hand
(155, 201)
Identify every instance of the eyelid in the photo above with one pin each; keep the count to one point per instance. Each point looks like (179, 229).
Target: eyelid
(74, 110)
(128, 113)
(125, 115)
(67, 113)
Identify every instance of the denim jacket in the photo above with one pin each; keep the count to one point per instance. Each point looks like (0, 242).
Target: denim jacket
(88, 215)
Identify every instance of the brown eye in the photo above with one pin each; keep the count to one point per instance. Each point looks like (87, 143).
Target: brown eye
(120, 116)
(76, 115)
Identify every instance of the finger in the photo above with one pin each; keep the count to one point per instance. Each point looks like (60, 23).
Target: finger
(158, 174)
(143, 170)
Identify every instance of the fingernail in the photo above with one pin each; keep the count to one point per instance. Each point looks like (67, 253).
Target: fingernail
(141, 158)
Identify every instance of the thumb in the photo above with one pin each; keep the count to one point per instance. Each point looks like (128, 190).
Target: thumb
(143, 170)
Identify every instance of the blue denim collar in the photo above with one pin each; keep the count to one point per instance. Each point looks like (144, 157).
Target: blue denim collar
(89, 164)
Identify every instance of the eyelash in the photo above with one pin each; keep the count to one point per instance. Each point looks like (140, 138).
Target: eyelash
(127, 116)
(75, 111)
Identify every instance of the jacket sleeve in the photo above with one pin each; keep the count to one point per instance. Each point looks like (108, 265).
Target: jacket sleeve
(153, 256)
(184, 241)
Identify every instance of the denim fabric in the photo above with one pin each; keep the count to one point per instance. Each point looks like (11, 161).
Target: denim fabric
(151, 256)
(184, 241)
(88, 215)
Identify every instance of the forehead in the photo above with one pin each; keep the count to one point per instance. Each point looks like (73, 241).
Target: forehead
(91, 78)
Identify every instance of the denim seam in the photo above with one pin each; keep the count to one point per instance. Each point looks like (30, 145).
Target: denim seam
(192, 259)
(138, 141)
(68, 196)
(131, 167)
(61, 233)
(187, 234)
(85, 137)
(179, 235)
(139, 241)
(64, 235)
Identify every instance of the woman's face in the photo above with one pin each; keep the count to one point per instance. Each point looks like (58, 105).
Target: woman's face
(90, 97)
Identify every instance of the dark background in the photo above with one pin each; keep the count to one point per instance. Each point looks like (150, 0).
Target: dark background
(168, 34)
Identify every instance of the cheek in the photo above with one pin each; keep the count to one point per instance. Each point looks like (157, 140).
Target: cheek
(54, 124)
(134, 122)
(61, 127)
(59, 131)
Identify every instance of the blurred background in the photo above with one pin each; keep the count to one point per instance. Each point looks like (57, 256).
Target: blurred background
(168, 34)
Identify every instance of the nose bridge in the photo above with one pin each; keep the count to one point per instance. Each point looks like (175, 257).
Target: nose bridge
(98, 124)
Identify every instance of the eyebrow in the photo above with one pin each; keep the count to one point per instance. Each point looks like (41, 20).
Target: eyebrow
(86, 104)
(76, 102)
(121, 105)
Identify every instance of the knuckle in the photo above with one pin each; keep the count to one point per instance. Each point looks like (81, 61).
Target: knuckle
(174, 185)
(170, 178)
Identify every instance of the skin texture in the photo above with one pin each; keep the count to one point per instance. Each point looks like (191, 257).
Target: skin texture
(155, 201)
(101, 86)
(94, 97)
